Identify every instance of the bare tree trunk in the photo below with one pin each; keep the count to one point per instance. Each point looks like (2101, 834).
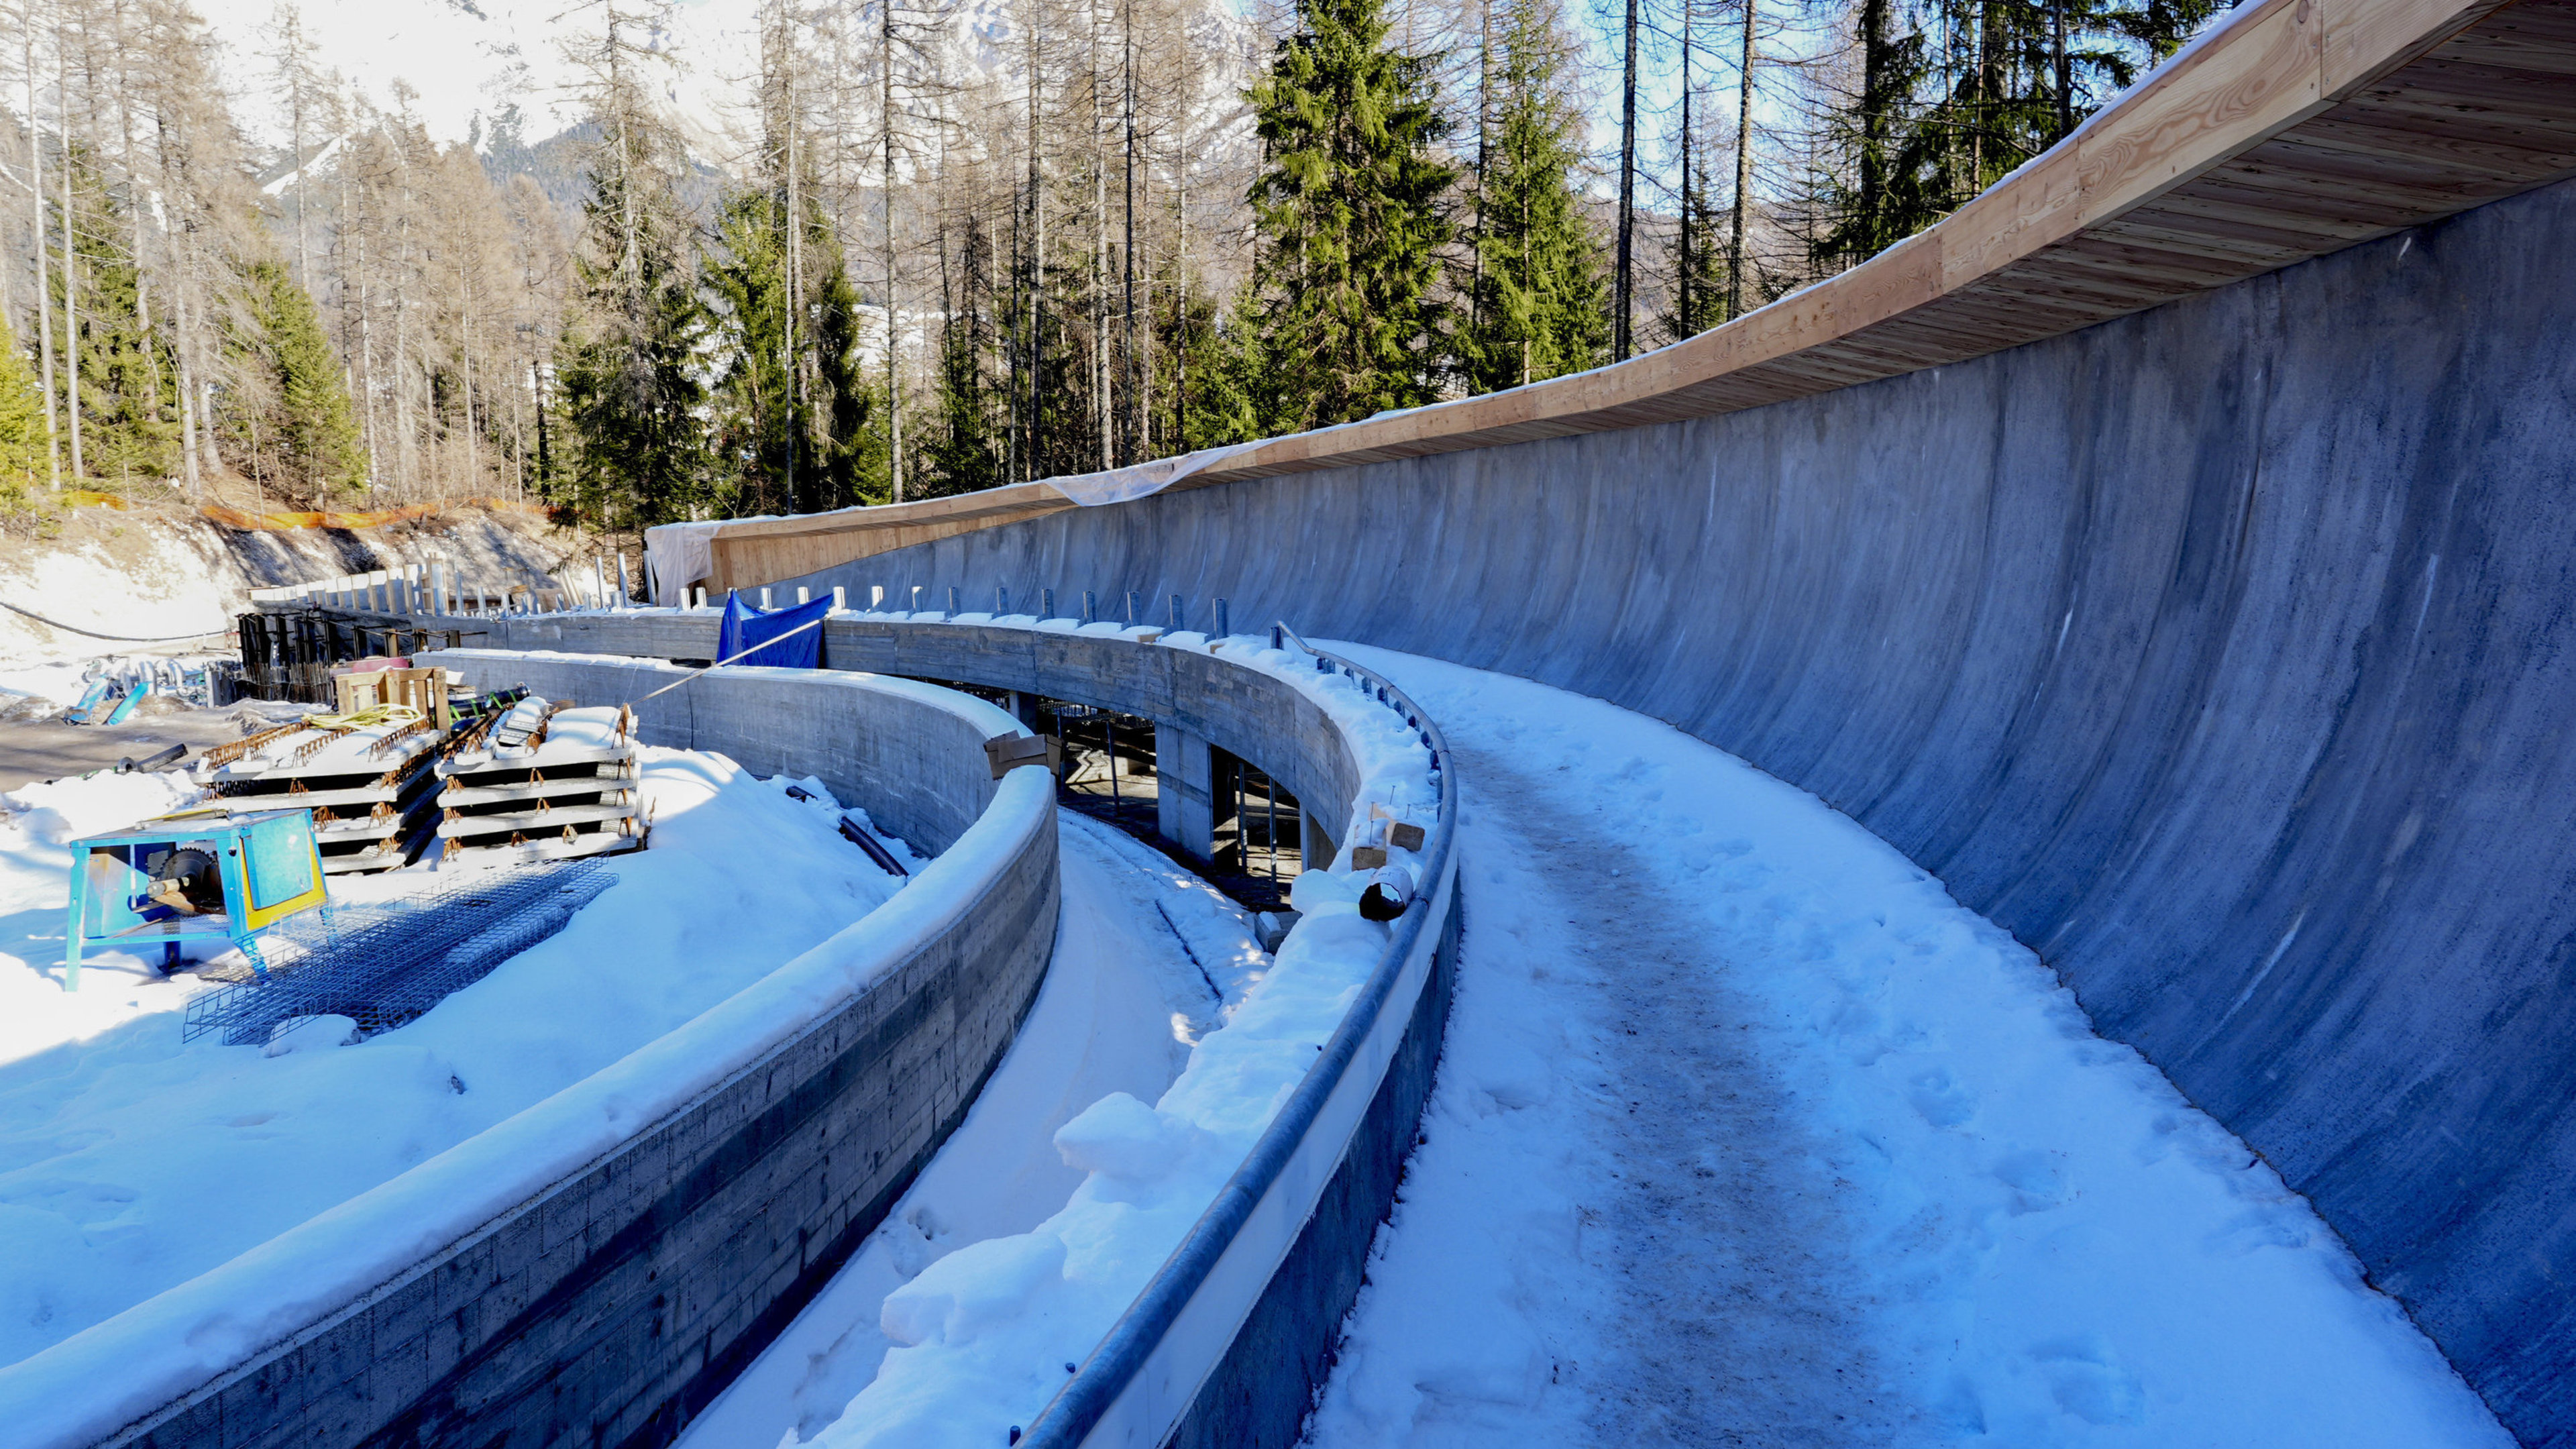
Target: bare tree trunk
(1100, 401)
(1690, 153)
(894, 324)
(1128, 420)
(1743, 171)
(44, 286)
(1625, 285)
(1035, 348)
(465, 369)
(71, 257)
(366, 337)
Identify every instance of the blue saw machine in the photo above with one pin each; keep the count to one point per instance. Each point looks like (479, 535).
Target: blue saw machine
(199, 875)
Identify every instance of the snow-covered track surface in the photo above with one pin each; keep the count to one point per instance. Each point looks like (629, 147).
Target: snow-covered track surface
(1747, 1134)
(600, 1262)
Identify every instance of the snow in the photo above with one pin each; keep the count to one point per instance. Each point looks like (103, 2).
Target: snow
(1130, 988)
(1742, 1120)
(253, 1193)
(164, 586)
(981, 1335)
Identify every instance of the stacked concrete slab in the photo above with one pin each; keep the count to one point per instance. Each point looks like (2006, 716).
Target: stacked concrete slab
(571, 791)
(369, 788)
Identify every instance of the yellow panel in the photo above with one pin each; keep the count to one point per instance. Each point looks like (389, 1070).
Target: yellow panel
(256, 915)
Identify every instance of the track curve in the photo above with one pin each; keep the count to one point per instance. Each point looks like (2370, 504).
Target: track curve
(2219, 652)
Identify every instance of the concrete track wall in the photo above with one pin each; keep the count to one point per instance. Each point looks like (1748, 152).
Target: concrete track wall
(1242, 711)
(610, 1306)
(1258, 1383)
(2223, 653)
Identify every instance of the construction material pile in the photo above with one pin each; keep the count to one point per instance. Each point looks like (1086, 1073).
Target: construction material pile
(383, 964)
(543, 781)
(365, 776)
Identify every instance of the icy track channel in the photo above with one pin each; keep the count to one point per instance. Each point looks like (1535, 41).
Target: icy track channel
(1745, 1133)
(1148, 958)
(130, 1163)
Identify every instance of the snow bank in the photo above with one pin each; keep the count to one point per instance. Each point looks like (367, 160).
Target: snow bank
(988, 1334)
(160, 1162)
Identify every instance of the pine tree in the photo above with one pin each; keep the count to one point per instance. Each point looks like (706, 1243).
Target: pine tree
(1539, 309)
(307, 432)
(1347, 209)
(22, 425)
(628, 376)
(794, 420)
(966, 450)
(128, 380)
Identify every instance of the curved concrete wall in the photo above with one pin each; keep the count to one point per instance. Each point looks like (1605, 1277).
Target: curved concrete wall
(608, 1306)
(1236, 1335)
(1242, 711)
(2222, 653)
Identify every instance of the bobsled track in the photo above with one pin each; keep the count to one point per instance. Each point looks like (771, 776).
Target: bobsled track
(2170, 551)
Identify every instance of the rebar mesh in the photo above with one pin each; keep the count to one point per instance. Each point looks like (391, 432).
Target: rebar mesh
(384, 964)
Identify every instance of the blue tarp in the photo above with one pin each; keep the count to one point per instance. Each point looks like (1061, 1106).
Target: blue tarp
(748, 628)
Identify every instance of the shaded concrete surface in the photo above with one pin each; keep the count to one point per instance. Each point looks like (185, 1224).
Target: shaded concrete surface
(2222, 654)
(48, 749)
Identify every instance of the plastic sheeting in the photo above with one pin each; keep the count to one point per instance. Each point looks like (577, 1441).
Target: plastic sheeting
(1117, 485)
(678, 555)
(747, 628)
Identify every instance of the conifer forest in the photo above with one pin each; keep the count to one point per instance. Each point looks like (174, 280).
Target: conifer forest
(924, 247)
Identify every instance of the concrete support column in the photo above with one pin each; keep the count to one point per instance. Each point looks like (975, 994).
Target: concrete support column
(1313, 845)
(1024, 708)
(1185, 805)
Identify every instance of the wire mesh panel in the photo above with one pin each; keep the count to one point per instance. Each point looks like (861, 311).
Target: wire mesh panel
(385, 964)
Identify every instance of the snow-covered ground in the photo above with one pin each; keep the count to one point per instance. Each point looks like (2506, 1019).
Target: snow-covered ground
(130, 1162)
(1746, 1133)
(1141, 951)
(173, 576)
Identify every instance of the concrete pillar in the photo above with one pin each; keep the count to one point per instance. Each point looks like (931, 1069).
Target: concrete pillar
(1313, 845)
(1024, 708)
(1185, 806)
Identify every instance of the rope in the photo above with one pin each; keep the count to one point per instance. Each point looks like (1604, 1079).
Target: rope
(721, 663)
(368, 718)
(111, 638)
